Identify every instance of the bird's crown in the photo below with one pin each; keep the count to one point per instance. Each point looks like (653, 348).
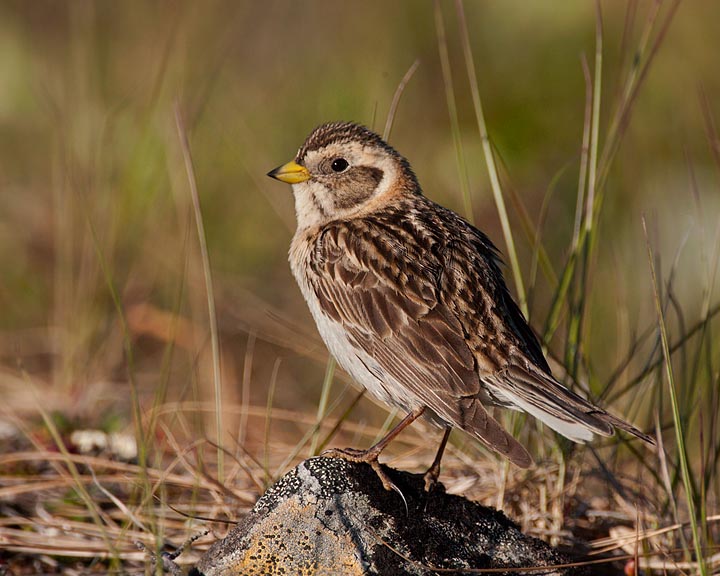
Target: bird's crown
(339, 133)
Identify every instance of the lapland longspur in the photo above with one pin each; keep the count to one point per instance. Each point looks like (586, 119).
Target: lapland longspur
(410, 299)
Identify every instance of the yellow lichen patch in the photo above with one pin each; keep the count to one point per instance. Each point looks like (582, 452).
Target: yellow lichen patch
(293, 540)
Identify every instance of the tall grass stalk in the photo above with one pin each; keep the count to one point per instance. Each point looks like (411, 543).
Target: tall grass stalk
(677, 420)
(245, 387)
(396, 99)
(210, 293)
(489, 157)
(595, 129)
(712, 462)
(268, 420)
(586, 250)
(584, 153)
(334, 430)
(533, 230)
(322, 405)
(452, 111)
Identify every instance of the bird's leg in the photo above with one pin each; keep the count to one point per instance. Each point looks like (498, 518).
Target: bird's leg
(432, 474)
(371, 455)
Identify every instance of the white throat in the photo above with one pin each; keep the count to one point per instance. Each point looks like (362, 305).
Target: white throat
(314, 204)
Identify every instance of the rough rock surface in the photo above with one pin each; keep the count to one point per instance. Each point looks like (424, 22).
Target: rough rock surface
(329, 516)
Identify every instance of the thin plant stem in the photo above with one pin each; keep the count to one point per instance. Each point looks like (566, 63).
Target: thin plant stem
(396, 99)
(245, 388)
(584, 152)
(677, 421)
(595, 130)
(452, 111)
(210, 293)
(268, 420)
(489, 158)
(578, 318)
(322, 405)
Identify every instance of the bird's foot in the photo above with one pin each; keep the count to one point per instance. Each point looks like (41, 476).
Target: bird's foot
(431, 477)
(433, 473)
(368, 457)
(352, 454)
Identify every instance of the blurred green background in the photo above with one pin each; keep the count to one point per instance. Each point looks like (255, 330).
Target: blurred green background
(95, 196)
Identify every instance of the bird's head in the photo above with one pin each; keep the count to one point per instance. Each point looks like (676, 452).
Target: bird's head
(344, 170)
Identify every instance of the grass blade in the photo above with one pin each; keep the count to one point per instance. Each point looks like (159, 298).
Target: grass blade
(322, 405)
(490, 159)
(452, 110)
(396, 99)
(212, 317)
(678, 425)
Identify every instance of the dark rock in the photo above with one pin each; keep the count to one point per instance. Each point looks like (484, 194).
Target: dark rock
(330, 516)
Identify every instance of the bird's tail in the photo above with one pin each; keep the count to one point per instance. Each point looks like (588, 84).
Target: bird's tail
(566, 412)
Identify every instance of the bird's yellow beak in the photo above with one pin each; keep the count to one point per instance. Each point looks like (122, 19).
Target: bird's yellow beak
(291, 173)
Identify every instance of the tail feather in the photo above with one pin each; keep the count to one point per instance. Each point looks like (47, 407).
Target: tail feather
(566, 412)
(473, 418)
(625, 426)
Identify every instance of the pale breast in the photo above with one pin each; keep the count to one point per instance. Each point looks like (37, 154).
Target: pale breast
(364, 369)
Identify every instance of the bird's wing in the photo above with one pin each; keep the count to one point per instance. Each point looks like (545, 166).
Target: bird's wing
(388, 304)
(510, 361)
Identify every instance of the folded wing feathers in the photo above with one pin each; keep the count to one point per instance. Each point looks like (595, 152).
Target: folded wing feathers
(427, 353)
(466, 413)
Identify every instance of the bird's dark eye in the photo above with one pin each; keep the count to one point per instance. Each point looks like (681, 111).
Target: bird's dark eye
(339, 165)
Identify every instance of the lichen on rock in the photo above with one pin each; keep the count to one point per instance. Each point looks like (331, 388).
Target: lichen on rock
(330, 516)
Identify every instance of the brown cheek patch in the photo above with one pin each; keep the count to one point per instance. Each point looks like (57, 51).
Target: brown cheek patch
(355, 186)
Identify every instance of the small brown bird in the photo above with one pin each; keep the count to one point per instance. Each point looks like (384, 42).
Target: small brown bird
(410, 299)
